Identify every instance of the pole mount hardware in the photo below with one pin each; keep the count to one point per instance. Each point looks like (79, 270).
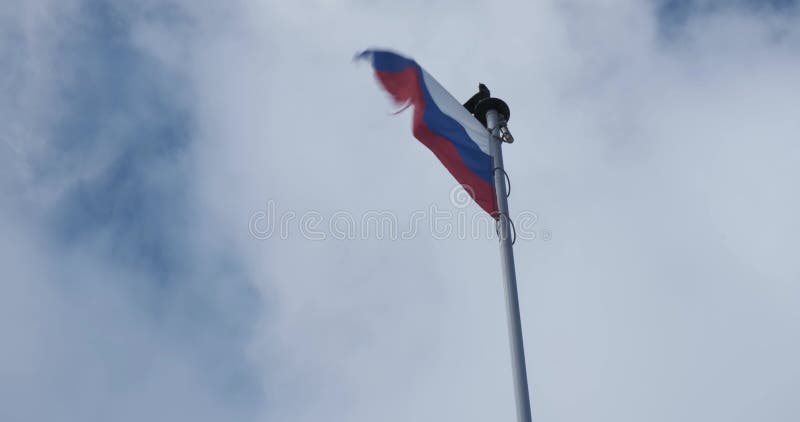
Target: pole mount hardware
(487, 104)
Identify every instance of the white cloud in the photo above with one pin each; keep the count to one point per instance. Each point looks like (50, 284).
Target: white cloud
(663, 166)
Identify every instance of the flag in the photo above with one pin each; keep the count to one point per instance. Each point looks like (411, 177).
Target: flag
(441, 123)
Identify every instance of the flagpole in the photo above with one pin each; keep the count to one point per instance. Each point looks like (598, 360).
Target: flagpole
(497, 113)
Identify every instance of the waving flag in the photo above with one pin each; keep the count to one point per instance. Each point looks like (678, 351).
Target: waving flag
(441, 123)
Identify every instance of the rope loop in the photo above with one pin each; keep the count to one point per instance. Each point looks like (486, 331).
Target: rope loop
(508, 180)
(511, 223)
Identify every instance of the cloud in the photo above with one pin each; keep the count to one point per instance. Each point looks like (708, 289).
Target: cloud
(654, 139)
(119, 306)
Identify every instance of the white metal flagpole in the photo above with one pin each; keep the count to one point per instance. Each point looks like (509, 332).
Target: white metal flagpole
(496, 122)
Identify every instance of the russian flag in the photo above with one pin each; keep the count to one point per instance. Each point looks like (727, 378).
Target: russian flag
(441, 123)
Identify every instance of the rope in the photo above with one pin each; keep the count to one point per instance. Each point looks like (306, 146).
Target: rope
(513, 227)
(508, 180)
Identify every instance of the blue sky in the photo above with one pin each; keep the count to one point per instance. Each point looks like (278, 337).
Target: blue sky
(656, 143)
(126, 116)
(673, 15)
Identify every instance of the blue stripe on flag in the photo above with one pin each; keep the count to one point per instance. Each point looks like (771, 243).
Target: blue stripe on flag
(445, 126)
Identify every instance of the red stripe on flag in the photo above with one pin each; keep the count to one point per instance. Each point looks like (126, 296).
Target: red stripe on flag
(404, 86)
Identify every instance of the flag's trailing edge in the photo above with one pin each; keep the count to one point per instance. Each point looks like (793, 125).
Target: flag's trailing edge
(441, 123)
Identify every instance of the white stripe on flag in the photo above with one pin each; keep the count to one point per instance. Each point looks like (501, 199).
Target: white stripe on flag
(451, 107)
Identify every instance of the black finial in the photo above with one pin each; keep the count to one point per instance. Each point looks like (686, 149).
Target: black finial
(487, 104)
(483, 92)
(482, 102)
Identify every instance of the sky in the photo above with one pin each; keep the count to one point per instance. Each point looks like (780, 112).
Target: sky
(655, 145)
